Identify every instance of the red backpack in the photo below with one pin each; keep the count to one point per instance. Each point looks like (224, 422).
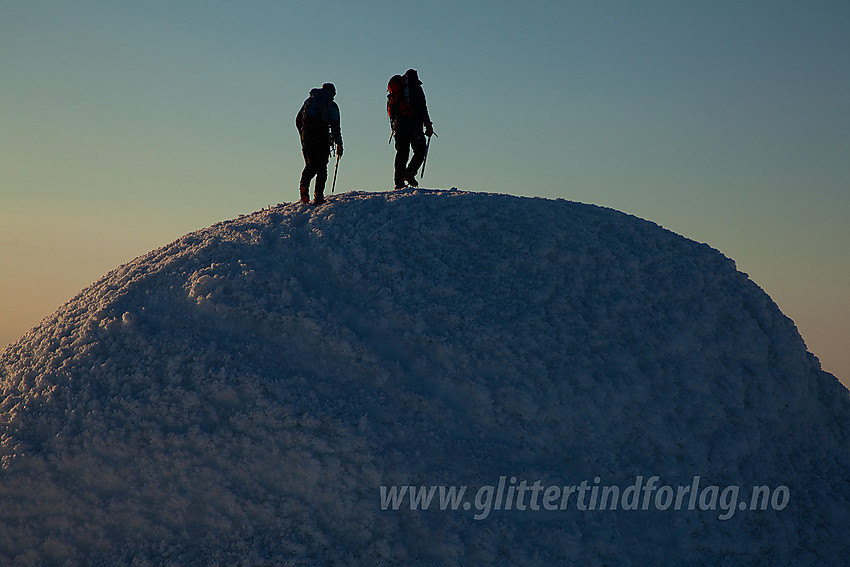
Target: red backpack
(398, 98)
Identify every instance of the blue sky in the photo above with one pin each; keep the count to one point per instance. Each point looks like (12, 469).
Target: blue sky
(125, 125)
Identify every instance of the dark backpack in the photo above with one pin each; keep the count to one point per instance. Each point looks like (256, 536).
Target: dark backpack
(315, 108)
(398, 98)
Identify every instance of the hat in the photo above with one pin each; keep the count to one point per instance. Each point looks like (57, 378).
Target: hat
(413, 76)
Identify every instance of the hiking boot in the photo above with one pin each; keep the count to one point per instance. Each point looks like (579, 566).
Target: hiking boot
(400, 185)
(305, 195)
(319, 200)
(411, 181)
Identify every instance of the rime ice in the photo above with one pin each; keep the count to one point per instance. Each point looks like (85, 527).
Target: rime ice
(240, 395)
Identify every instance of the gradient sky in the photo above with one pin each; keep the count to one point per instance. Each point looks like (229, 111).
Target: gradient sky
(124, 125)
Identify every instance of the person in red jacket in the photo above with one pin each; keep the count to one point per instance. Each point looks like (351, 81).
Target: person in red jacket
(408, 112)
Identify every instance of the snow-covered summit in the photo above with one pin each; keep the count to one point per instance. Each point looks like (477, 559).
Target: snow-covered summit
(269, 391)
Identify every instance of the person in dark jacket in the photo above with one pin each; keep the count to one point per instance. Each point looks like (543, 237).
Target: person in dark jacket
(318, 126)
(408, 113)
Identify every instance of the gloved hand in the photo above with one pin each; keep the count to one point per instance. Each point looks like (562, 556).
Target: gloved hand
(429, 129)
(339, 150)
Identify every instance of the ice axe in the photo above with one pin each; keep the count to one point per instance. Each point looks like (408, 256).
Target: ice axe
(336, 167)
(425, 159)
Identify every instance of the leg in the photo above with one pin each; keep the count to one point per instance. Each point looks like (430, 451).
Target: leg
(402, 151)
(321, 176)
(306, 176)
(417, 142)
(307, 173)
(316, 157)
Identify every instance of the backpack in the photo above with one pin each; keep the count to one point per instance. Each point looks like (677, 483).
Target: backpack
(398, 98)
(315, 108)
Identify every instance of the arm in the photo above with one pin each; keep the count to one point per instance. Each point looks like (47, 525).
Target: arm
(298, 120)
(334, 121)
(420, 107)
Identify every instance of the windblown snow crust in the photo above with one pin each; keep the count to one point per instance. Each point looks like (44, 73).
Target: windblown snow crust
(240, 396)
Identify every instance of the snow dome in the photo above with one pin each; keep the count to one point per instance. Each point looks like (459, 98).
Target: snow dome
(422, 378)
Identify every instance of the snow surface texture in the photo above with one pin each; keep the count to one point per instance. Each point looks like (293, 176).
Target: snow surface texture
(239, 396)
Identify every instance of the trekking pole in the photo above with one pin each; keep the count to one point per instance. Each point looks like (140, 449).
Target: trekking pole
(335, 168)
